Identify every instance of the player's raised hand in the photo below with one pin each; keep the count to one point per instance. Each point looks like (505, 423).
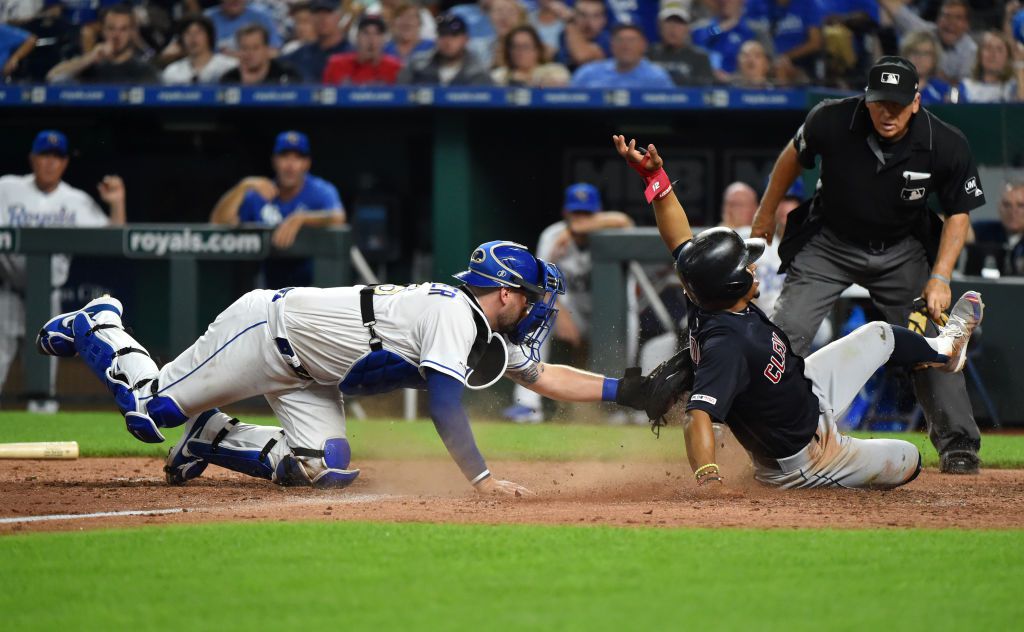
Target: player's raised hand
(496, 487)
(111, 190)
(636, 156)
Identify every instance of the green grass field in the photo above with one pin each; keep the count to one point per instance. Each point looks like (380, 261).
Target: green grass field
(103, 434)
(382, 576)
(420, 576)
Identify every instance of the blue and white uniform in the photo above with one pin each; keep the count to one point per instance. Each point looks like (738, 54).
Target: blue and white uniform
(304, 349)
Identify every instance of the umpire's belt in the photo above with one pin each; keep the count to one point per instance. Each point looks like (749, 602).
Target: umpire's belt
(873, 246)
(291, 358)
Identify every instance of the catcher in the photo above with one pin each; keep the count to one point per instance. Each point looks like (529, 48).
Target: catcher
(780, 407)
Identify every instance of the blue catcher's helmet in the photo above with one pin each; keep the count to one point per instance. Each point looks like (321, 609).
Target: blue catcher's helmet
(508, 264)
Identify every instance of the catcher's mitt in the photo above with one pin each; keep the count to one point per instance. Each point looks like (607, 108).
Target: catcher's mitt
(659, 391)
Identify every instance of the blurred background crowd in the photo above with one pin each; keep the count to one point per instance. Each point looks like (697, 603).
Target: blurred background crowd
(965, 50)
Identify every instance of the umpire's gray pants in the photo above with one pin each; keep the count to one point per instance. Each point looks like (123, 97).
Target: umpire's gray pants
(825, 267)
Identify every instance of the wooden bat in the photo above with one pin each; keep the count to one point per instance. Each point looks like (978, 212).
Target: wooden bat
(41, 450)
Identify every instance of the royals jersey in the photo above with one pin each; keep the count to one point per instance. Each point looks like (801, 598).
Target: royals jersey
(23, 205)
(426, 326)
(746, 376)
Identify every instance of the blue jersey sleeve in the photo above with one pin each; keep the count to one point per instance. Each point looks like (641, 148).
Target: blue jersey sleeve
(452, 424)
(249, 210)
(325, 197)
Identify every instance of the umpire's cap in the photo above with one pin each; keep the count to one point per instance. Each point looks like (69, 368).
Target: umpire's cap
(893, 79)
(713, 266)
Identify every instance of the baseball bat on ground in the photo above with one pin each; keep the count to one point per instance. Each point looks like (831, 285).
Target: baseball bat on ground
(41, 450)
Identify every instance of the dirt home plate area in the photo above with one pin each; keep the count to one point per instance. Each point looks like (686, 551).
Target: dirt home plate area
(33, 493)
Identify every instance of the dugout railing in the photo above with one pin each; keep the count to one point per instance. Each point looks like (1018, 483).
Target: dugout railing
(182, 246)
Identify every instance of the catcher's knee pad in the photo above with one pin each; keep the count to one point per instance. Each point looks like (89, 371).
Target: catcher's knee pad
(330, 471)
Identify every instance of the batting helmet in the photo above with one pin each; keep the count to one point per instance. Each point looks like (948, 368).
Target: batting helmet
(713, 265)
(508, 264)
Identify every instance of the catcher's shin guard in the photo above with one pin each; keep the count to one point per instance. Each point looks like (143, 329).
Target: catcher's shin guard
(331, 472)
(128, 372)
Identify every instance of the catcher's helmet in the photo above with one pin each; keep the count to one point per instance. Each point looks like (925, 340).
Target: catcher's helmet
(713, 265)
(508, 264)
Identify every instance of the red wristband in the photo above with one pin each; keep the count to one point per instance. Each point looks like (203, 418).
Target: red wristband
(657, 182)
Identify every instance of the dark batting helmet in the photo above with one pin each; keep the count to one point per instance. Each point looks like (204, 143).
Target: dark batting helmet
(713, 266)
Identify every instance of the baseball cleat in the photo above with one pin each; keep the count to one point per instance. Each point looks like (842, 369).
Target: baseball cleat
(56, 338)
(956, 333)
(522, 414)
(181, 465)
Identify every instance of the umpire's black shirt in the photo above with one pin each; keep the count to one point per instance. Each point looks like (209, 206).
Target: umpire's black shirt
(871, 190)
(746, 375)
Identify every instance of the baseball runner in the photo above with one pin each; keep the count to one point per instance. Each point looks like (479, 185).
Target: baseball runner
(38, 200)
(304, 349)
(780, 407)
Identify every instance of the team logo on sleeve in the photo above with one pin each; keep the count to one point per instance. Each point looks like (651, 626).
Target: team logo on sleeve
(971, 186)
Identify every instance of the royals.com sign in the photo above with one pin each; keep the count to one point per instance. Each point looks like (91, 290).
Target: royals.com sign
(158, 243)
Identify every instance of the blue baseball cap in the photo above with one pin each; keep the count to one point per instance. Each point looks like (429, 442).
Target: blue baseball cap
(292, 141)
(582, 197)
(50, 141)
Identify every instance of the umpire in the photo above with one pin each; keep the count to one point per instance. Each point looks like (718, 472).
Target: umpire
(882, 156)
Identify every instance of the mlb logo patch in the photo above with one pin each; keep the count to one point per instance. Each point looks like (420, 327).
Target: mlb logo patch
(891, 78)
(971, 186)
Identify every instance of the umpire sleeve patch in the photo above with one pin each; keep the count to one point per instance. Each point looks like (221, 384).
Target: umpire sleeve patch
(704, 398)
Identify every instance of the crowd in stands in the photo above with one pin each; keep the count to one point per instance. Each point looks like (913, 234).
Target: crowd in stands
(965, 50)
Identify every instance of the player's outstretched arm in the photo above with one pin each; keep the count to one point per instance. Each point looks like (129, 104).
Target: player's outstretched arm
(673, 225)
(452, 424)
(563, 383)
(700, 449)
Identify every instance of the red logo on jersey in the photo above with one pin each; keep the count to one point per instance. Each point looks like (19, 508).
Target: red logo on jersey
(777, 366)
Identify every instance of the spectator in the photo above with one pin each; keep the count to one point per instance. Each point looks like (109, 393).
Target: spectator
(311, 59)
(994, 79)
(15, 45)
(952, 28)
(368, 65)
(795, 28)
(303, 29)
(922, 49)
(85, 15)
(723, 35)
(233, 15)
(849, 33)
(566, 243)
(637, 13)
(201, 64)
(407, 33)
(524, 65)
(42, 199)
(293, 200)
(627, 69)
(549, 19)
(687, 65)
(586, 37)
(56, 41)
(754, 67)
(389, 10)
(504, 16)
(450, 64)
(999, 244)
(256, 64)
(114, 60)
(739, 203)
(474, 14)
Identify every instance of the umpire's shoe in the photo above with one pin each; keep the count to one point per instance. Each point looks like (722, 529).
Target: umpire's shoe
(181, 465)
(959, 462)
(56, 337)
(955, 334)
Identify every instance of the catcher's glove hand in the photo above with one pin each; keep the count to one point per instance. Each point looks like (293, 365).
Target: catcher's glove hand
(659, 391)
